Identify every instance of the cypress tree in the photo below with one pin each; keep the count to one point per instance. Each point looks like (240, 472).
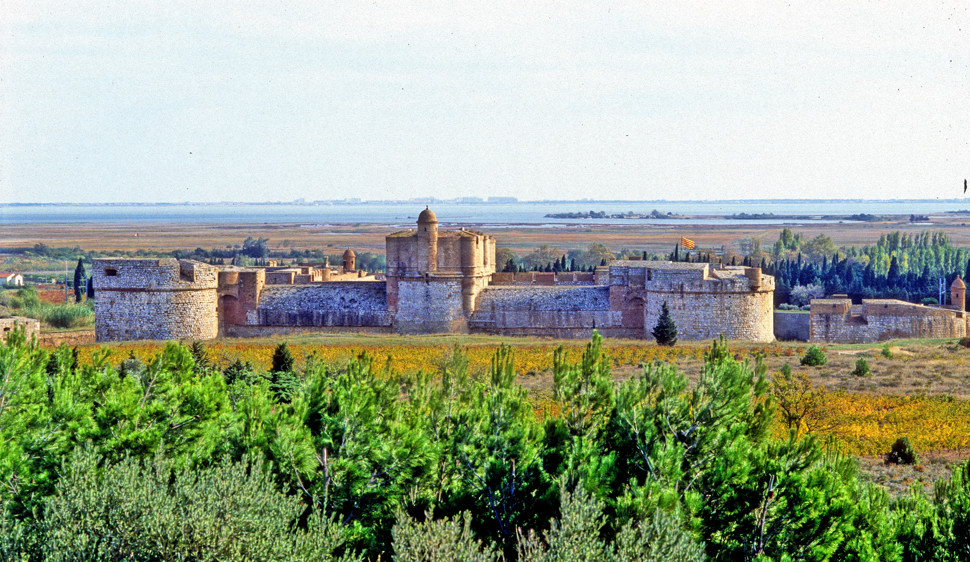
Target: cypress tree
(665, 332)
(78, 280)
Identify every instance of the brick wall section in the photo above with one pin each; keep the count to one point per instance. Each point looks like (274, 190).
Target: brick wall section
(792, 326)
(838, 321)
(336, 304)
(147, 299)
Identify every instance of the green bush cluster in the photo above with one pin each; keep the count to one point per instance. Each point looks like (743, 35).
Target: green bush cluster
(814, 357)
(861, 368)
(175, 459)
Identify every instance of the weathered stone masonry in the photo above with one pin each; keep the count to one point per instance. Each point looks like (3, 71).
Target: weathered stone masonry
(435, 282)
(139, 299)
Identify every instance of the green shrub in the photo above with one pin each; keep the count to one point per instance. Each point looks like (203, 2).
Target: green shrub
(442, 540)
(148, 511)
(861, 368)
(26, 299)
(902, 452)
(965, 342)
(576, 536)
(887, 351)
(814, 357)
(67, 315)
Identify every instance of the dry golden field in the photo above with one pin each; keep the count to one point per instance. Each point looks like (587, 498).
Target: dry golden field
(169, 236)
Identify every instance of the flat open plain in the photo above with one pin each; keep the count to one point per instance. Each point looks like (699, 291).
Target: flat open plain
(654, 238)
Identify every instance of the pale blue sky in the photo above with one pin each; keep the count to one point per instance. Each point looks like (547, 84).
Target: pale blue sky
(210, 101)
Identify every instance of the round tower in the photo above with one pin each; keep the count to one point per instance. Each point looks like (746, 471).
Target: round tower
(958, 294)
(350, 260)
(427, 241)
(156, 299)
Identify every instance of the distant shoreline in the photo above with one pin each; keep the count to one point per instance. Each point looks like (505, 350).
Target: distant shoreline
(493, 201)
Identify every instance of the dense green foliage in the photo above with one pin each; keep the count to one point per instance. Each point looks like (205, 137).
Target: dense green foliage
(173, 459)
(665, 332)
(814, 357)
(899, 265)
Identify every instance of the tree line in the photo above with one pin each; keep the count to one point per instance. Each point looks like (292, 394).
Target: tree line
(180, 458)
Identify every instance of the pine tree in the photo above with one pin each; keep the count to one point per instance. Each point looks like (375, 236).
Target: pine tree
(78, 280)
(282, 359)
(665, 332)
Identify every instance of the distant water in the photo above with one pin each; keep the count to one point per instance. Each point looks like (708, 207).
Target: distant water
(514, 213)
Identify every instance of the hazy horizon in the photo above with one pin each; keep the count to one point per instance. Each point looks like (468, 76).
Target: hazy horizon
(210, 101)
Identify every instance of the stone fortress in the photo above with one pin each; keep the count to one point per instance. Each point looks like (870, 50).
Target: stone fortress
(446, 282)
(436, 282)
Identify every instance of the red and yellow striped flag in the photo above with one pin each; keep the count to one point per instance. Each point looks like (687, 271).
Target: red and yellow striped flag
(687, 243)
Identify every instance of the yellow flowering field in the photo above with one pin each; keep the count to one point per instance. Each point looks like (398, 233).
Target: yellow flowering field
(868, 424)
(529, 358)
(859, 423)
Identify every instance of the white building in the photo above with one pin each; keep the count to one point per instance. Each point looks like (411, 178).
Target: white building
(12, 279)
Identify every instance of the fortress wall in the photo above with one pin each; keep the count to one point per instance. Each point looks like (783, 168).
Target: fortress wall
(154, 299)
(30, 326)
(547, 311)
(449, 253)
(280, 277)
(569, 278)
(148, 315)
(881, 320)
(429, 305)
(723, 308)
(629, 303)
(336, 304)
(792, 326)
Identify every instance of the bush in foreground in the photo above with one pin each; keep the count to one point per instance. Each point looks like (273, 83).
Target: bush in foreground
(814, 357)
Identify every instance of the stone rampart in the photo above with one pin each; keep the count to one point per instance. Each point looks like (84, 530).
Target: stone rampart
(838, 321)
(547, 311)
(792, 326)
(69, 338)
(30, 326)
(706, 303)
(430, 305)
(335, 304)
(148, 299)
(568, 278)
